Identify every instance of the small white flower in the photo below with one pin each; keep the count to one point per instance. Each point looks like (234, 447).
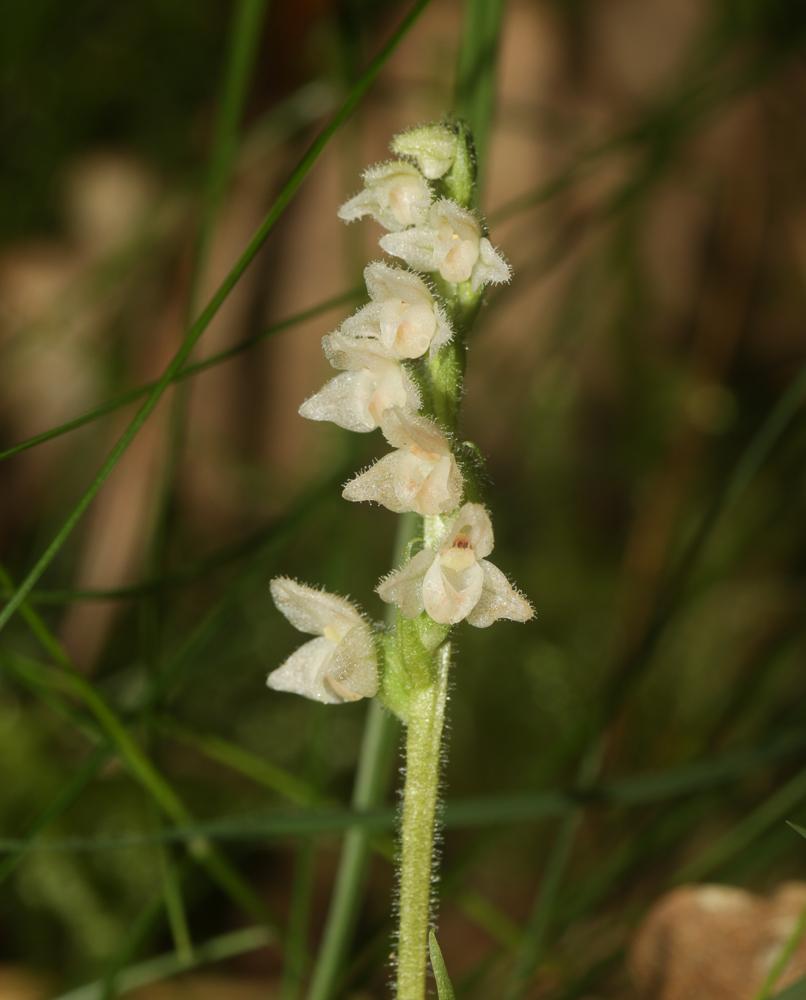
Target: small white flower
(421, 476)
(403, 315)
(449, 242)
(395, 194)
(455, 581)
(340, 664)
(373, 382)
(432, 147)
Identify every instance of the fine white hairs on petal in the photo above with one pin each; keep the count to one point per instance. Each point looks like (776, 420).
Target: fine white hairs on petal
(450, 243)
(420, 476)
(340, 663)
(453, 581)
(372, 383)
(395, 194)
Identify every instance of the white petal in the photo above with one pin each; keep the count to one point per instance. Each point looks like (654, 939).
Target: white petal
(491, 268)
(344, 400)
(363, 324)
(449, 596)
(352, 353)
(352, 671)
(473, 521)
(395, 194)
(394, 389)
(499, 599)
(303, 672)
(441, 490)
(377, 484)
(403, 429)
(406, 330)
(311, 610)
(362, 204)
(384, 281)
(404, 586)
(418, 247)
(444, 331)
(451, 220)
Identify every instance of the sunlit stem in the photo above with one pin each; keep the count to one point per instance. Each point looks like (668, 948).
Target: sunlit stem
(423, 756)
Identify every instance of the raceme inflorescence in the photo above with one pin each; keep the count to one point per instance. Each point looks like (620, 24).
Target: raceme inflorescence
(400, 366)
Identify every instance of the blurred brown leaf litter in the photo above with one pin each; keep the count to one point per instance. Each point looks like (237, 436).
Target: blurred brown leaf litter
(655, 318)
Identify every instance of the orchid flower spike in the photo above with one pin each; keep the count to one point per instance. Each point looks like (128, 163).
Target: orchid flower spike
(340, 664)
(420, 476)
(373, 381)
(395, 194)
(403, 315)
(455, 581)
(450, 243)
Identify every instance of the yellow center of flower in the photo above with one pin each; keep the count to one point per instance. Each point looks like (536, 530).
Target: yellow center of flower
(460, 555)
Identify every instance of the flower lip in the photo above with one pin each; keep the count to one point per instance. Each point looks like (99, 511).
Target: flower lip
(453, 581)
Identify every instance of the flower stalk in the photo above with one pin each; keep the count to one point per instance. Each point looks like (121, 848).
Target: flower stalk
(417, 831)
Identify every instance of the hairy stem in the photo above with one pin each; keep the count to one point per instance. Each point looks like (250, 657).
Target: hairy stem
(423, 742)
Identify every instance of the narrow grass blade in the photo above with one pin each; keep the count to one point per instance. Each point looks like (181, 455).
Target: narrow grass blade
(66, 682)
(174, 902)
(797, 991)
(475, 74)
(240, 61)
(246, 763)
(296, 938)
(441, 977)
(372, 782)
(155, 970)
(324, 817)
(210, 310)
(530, 953)
(771, 812)
(267, 538)
(66, 797)
(783, 958)
(188, 371)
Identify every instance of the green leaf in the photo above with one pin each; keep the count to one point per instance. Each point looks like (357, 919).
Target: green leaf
(798, 829)
(797, 991)
(444, 986)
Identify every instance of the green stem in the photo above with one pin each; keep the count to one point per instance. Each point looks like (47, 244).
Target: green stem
(423, 755)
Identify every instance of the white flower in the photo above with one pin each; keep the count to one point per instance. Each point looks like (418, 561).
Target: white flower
(403, 315)
(395, 194)
(451, 243)
(421, 476)
(373, 382)
(432, 147)
(455, 581)
(340, 664)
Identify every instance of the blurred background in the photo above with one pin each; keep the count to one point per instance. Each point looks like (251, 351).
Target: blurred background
(638, 394)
